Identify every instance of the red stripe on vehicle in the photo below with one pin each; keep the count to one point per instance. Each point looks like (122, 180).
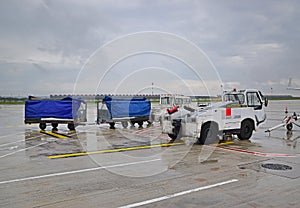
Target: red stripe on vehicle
(228, 111)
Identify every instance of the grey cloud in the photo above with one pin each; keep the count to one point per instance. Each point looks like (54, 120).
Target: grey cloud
(59, 36)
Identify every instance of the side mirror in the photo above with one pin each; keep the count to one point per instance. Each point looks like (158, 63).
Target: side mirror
(266, 102)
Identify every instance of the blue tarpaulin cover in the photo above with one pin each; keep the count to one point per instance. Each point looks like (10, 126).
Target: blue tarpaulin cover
(130, 107)
(66, 108)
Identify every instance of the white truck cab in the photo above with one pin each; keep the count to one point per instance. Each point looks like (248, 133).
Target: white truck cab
(239, 113)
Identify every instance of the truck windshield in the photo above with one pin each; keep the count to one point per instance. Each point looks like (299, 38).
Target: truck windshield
(166, 101)
(234, 98)
(175, 100)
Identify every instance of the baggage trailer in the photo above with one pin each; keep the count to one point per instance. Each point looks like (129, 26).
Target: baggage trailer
(125, 110)
(70, 111)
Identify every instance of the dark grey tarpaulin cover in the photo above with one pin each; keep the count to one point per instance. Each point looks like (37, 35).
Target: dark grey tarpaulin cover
(127, 107)
(66, 108)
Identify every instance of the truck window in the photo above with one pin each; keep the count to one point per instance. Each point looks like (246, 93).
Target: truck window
(253, 100)
(178, 101)
(165, 101)
(174, 100)
(187, 101)
(234, 98)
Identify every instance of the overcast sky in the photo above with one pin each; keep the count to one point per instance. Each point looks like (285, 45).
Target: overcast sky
(46, 46)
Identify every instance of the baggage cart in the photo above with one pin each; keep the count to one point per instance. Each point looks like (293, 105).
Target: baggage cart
(125, 110)
(70, 111)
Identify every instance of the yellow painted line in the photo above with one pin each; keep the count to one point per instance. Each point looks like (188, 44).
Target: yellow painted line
(60, 136)
(226, 143)
(113, 150)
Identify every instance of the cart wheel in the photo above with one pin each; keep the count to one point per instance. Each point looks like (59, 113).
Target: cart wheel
(71, 126)
(149, 123)
(42, 126)
(289, 126)
(132, 123)
(54, 126)
(124, 124)
(112, 125)
(140, 123)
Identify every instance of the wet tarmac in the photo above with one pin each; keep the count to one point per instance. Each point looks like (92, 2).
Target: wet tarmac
(100, 167)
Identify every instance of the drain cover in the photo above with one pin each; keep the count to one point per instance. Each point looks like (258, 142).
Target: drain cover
(274, 166)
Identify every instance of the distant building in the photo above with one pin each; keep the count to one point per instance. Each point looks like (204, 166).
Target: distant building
(96, 97)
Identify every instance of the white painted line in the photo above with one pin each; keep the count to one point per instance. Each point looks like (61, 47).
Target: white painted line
(22, 140)
(178, 194)
(32, 138)
(11, 153)
(1, 145)
(8, 135)
(76, 171)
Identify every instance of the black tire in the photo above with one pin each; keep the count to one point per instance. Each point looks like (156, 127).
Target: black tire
(209, 134)
(132, 123)
(42, 126)
(149, 123)
(71, 126)
(54, 126)
(124, 124)
(173, 137)
(112, 125)
(140, 123)
(289, 126)
(246, 130)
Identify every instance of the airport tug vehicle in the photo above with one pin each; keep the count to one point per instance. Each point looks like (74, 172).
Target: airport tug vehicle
(239, 113)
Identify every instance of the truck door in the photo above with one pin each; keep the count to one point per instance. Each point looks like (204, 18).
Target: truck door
(254, 101)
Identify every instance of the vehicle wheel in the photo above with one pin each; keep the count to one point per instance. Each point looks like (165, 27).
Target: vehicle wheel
(124, 124)
(54, 126)
(246, 130)
(112, 125)
(42, 126)
(176, 134)
(132, 123)
(71, 126)
(140, 123)
(160, 121)
(149, 123)
(209, 134)
(289, 126)
(173, 137)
